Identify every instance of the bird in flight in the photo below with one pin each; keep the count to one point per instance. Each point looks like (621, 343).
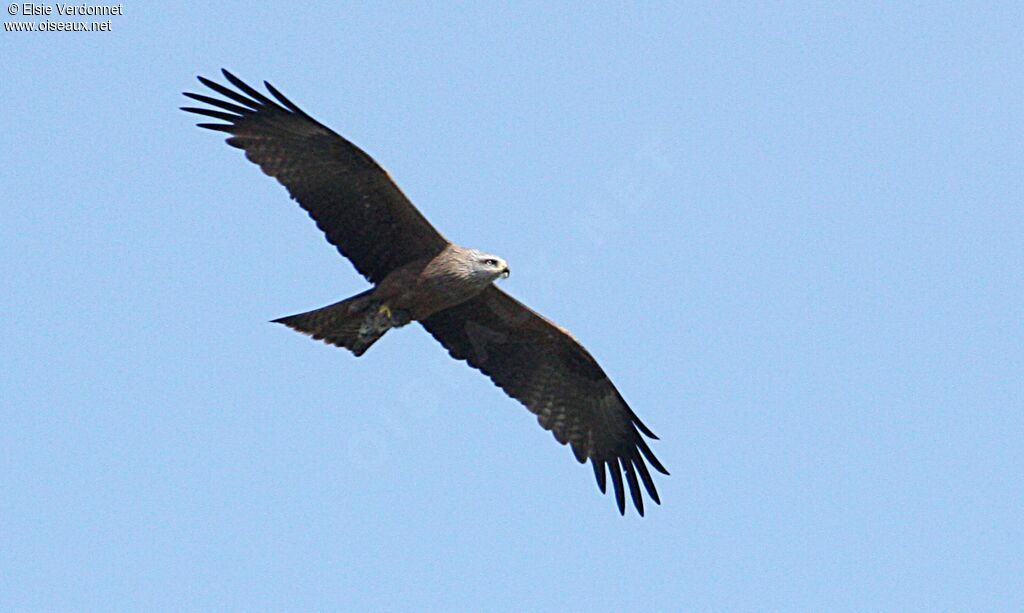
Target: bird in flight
(419, 275)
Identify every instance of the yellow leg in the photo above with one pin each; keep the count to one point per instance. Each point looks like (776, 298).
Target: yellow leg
(384, 310)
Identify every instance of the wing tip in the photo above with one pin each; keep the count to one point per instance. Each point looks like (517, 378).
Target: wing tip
(599, 474)
(620, 494)
(643, 427)
(637, 479)
(219, 127)
(207, 82)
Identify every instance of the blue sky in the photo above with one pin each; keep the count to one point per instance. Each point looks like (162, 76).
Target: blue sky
(792, 235)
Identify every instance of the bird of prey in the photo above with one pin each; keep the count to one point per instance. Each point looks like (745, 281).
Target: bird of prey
(418, 275)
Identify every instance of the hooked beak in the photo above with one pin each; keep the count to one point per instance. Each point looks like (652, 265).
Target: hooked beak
(505, 273)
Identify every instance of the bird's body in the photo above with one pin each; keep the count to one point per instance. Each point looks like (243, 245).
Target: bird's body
(418, 275)
(412, 292)
(425, 287)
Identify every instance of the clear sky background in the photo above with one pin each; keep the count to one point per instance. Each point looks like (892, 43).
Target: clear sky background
(793, 236)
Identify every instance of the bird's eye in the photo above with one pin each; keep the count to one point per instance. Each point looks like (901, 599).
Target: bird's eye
(491, 262)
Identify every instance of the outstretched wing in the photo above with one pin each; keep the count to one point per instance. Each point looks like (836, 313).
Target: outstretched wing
(545, 368)
(352, 199)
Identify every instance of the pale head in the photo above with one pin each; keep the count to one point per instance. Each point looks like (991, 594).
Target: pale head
(485, 265)
(468, 269)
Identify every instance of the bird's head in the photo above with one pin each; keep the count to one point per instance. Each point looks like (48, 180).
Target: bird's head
(486, 266)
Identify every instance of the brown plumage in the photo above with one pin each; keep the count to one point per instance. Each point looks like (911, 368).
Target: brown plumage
(418, 275)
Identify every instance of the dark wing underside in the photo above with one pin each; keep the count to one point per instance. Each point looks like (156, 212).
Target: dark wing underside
(351, 198)
(546, 369)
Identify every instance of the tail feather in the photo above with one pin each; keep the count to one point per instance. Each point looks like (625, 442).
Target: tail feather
(339, 324)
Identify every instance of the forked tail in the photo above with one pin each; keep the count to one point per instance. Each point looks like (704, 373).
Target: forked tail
(349, 323)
